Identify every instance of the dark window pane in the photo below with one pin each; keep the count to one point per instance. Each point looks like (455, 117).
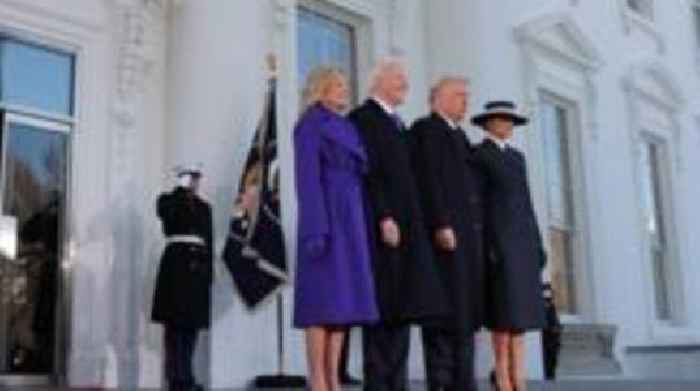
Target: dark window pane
(653, 203)
(663, 306)
(34, 194)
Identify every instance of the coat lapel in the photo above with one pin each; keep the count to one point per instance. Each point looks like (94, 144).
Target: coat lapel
(386, 120)
(457, 137)
(510, 159)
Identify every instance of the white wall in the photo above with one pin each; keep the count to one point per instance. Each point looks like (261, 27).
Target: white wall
(620, 287)
(199, 91)
(444, 37)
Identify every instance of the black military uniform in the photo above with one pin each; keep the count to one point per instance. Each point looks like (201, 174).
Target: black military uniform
(182, 295)
(452, 198)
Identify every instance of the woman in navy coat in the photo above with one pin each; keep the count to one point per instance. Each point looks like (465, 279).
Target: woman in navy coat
(514, 246)
(334, 285)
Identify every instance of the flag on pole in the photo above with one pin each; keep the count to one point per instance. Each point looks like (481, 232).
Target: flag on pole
(254, 253)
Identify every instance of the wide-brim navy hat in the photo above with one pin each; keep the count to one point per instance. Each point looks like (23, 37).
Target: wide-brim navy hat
(502, 109)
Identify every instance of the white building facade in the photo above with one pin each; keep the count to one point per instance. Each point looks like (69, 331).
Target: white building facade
(101, 98)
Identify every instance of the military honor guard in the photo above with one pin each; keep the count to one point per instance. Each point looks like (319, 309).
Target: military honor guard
(181, 301)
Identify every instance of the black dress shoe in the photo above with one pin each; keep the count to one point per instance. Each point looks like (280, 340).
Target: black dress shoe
(492, 380)
(186, 387)
(348, 380)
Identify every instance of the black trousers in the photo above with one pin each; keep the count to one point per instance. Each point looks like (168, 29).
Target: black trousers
(179, 348)
(449, 359)
(385, 356)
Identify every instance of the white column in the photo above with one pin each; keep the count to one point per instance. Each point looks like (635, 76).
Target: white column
(131, 358)
(216, 85)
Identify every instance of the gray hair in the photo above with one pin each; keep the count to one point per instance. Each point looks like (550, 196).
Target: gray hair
(383, 68)
(443, 82)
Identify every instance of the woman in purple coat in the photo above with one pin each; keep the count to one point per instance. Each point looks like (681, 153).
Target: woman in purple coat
(334, 285)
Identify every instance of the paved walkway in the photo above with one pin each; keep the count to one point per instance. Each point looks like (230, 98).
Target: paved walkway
(558, 386)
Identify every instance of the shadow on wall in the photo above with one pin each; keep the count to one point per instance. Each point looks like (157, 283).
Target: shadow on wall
(125, 287)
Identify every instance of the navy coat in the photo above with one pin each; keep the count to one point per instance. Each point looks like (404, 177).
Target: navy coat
(514, 244)
(409, 289)
(451, 197)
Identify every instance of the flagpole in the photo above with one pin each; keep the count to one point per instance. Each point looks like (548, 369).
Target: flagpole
(281, 379)
(281, 362)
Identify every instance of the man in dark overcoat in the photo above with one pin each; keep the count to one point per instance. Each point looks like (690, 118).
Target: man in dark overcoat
(182, 294)
(452, 203)
(407, 281)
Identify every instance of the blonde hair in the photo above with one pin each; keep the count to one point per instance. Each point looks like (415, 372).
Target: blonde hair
(317, 84)
(444, 82)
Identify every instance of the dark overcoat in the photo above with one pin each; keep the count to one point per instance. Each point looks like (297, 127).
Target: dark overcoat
(409, 288)
(183, 285)
(451, 197)
(514, 243)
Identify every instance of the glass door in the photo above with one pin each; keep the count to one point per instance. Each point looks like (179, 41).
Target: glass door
(34, 177)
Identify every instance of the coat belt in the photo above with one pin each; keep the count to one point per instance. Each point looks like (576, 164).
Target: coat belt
(187, 239)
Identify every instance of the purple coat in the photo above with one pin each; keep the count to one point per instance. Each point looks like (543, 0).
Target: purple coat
(334, 284)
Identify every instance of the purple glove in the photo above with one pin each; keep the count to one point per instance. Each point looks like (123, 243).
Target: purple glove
(316, 246)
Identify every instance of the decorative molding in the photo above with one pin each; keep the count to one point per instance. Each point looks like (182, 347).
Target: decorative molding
(632, 19)
(284, 13)
(662, 77)
(558, 58)
(394, 18)
(583, 53)
(34, 9)
(140, 34)
(671, 100)
(649, 86)
(141, 31)
(576, 52)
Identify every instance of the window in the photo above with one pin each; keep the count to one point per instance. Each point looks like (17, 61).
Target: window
(323, 39)
(652, 162)
(655, 97)
(643, 8)
(36, 114)
(559, 178)
(36, 77)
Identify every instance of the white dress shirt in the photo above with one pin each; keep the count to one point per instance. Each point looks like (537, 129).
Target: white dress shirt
(450, 122)
(389, 109)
